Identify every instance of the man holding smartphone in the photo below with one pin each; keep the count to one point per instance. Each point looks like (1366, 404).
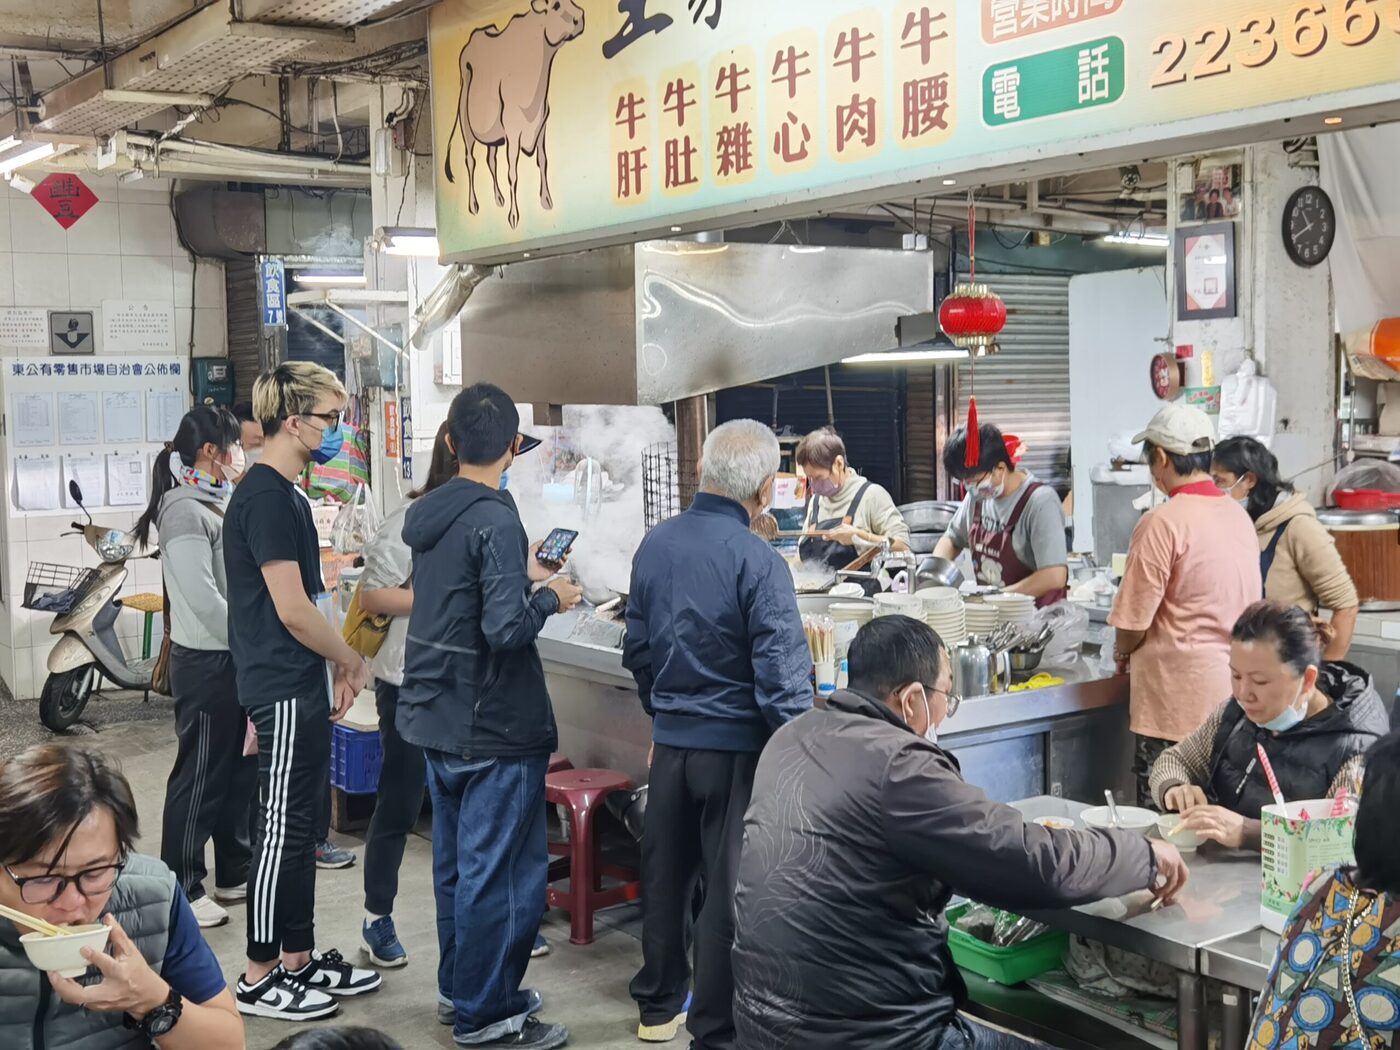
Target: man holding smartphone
(281, 644)
(474, 698)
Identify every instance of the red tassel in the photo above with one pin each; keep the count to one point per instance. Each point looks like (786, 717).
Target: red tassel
(974, 436)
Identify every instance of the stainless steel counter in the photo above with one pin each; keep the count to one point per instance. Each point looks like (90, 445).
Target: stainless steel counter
(1068, 740)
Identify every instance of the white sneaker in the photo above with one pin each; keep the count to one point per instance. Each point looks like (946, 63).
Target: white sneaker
(231, 894)
(208, 913)
(282, 997)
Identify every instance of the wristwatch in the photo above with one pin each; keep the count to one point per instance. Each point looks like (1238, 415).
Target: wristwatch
(160, 1020)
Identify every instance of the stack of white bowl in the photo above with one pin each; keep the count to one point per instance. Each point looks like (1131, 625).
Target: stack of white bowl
(1017, 609)
(943, 611)
(982, 618)
(848, 618)
(891, 604)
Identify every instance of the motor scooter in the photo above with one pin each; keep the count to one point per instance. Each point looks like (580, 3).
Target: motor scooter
(86, 618)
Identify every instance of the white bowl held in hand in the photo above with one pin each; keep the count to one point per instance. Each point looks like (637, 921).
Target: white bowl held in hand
(1184, 840)
(63, 955)
(1130, 818)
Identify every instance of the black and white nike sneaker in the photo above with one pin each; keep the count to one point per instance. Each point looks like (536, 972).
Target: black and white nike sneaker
(283, 997)
(330, 973)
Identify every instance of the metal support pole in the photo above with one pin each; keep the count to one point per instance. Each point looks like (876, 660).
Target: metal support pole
(1236, 1018)
(692, 426)
(1192, 1031)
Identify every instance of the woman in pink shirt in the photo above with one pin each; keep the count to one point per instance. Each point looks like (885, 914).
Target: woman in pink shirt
(1193, 568)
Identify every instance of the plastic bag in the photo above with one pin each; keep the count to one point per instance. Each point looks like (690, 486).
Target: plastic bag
(1070, 624)
(356, 522)
(1001, 929)
(1366, 474)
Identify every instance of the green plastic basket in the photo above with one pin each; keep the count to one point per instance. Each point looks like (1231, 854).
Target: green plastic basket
(1007, 966)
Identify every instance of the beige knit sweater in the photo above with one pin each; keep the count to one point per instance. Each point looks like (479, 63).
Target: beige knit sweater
(1307, 571)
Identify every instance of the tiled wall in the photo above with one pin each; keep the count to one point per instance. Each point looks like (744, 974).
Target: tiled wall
(124, 248)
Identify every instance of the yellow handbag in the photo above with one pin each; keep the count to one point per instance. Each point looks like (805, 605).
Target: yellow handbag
(364, 632)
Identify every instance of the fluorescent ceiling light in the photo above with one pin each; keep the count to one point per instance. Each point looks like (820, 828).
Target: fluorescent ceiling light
(415, 241)
(911, 355)
(1140, 240)
(39, 151)
(330, 280)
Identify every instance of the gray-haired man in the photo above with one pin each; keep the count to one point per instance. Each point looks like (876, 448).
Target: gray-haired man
(715, 642)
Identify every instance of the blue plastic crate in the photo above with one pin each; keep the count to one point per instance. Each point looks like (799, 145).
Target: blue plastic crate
(356, 758)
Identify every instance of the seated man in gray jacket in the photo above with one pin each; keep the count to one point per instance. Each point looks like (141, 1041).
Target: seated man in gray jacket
(860, 831)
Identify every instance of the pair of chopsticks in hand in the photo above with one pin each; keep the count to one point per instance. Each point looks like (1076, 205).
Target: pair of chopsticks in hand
(48, 929)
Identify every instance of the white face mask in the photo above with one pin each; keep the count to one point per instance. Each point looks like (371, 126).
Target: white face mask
(931, 732)
(989, 489)
(237, 464)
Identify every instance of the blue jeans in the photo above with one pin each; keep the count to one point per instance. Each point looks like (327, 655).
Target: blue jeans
(489, 865)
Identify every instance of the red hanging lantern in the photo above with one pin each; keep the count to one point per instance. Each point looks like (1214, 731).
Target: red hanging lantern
(973, 316)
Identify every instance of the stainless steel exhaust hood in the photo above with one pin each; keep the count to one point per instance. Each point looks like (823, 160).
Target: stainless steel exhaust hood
(659, 321)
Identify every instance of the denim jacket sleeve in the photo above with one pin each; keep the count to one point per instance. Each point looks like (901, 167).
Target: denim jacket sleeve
(778, 645)
(511, 617)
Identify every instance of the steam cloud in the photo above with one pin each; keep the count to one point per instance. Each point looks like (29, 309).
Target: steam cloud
(615, 436)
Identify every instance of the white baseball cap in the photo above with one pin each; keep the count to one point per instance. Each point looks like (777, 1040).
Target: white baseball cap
(1180, 430)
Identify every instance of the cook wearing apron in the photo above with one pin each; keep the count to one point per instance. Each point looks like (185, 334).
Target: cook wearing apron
(830, 553)
(994, 555)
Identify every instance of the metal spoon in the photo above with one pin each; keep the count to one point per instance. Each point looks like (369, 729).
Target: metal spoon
(1112, 808)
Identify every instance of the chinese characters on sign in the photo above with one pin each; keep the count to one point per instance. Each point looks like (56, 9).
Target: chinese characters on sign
(1066, 80)
(640, 19)
(95, 368)
(65, 197)
(272, 282)
(707, 127)
(1004, 20)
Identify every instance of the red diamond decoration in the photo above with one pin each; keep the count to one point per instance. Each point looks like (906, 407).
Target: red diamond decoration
(65, 197)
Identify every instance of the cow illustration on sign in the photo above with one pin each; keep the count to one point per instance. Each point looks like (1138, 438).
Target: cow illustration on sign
(504, 95)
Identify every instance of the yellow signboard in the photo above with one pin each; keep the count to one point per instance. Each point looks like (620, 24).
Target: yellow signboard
(599, 118)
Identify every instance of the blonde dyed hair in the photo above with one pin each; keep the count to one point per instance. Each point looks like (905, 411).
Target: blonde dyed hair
(292, 389)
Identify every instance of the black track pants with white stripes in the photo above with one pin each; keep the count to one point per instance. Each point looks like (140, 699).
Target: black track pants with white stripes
(294, 758)
(213, 785)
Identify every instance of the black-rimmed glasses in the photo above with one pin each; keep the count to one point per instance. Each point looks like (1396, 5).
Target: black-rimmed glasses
(331, 419)
(45, 889)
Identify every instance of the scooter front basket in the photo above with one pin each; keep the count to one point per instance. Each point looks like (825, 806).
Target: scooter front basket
(50, 587)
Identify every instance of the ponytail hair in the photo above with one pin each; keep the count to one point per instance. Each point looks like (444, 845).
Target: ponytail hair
(201, 425)
(1298, 639)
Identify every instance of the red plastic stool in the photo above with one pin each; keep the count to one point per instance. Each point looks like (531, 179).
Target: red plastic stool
(581, 791)
(559, 761)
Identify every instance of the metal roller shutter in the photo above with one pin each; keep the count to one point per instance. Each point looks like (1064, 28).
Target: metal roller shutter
(920, 435)
(1025, 389)
(245, 338)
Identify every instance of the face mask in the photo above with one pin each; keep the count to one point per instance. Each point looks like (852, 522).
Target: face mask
(1289, 717)
(989, 489)
(252, 456)
(237, 463)
(505, 479)
(931, 732)
(826, 487)
(332, 440)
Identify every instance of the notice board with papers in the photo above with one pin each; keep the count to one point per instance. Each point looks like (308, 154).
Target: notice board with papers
(97, 420)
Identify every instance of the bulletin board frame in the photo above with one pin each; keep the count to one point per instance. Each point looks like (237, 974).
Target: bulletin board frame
(137, 398)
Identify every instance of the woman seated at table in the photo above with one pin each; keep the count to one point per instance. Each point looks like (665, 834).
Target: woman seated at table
(1315, 720)
(1333, 980)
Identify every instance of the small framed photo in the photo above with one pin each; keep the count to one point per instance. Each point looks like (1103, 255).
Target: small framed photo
(1205, 271)
(1215, 192)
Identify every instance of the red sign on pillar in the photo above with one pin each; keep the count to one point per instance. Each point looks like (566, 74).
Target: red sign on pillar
(393, 438)
(65, 197)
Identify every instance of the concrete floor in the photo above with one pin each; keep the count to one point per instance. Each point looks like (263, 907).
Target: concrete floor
(583, 987)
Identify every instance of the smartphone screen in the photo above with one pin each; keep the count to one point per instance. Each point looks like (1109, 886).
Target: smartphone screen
(556, 545)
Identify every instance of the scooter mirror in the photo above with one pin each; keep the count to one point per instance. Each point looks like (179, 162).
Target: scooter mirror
(76, 492)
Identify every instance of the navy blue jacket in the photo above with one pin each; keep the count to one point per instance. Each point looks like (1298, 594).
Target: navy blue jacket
(473, 684)
(714, 637)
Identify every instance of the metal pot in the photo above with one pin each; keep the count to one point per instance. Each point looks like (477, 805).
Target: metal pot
(1023, 660)
(924, 542)
(928, 515)
(937, 572)
(978, 671)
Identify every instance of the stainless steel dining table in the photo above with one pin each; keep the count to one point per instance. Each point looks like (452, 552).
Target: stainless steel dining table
(1220, 902)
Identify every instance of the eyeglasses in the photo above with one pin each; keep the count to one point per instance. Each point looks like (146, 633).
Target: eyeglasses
(954, 699)
(332, 419)
(45, 889)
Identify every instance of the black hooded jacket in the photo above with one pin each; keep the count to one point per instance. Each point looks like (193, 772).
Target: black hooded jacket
(858, 834)
(473, 684)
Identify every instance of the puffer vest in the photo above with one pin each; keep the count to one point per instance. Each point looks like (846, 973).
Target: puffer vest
(1306, 758)
(32, 1017)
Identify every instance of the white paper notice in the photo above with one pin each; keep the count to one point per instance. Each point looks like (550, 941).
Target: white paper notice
(121, 416)
(87, 472)
(25, 328)
(164, 410)
(130, 326)
(36, 484)
(33, 419)
(126, 478)
(77, 418)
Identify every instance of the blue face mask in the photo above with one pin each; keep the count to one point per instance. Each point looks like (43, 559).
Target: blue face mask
(505, 477)
(332, 440)
(1289, 717)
